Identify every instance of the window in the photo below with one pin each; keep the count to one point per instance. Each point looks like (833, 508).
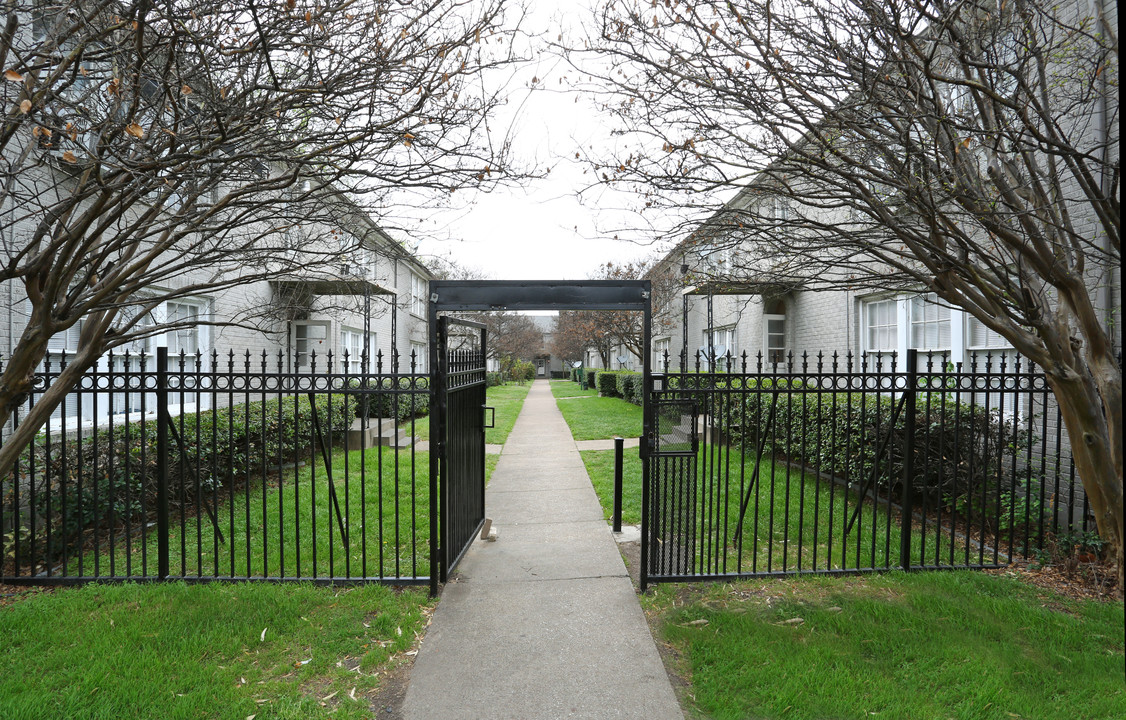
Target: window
(978, 336)
(774, 330)
(420, 356)
(987, 351)
(419, 300)
(930, 324)
(718, 258)
(352, 351)
(660, 353)
(780, 209)
(775, 340)
(189, 339)
(983, 344)
(185, 339)
(309, 344)
(721, 342)
(61, 349)
(351, 255)
(880, 326)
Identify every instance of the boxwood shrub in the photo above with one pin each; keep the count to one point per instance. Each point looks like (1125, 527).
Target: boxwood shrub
(607, 383)
(398, 406)
(630, 385)
(842, 433)
(223, 448)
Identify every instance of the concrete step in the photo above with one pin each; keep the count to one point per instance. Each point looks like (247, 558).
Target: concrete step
(378, 432)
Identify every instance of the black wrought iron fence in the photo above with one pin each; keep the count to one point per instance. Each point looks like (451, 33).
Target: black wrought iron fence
(850, 463)
(265, 467)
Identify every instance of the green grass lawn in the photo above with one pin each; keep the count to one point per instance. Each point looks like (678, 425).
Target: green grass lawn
(202, 651)
(288, 527)
(964, 645)
(787, 526)
(568, 389)
(792, 521)
(294, 530)
(600, 468)
(598, 418)
(507, 399)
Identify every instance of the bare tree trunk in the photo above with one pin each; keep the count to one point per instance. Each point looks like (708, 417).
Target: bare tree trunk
(1094, 427)
(40, 413)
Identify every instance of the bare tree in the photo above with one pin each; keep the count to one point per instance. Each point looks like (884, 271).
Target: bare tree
(570, 339)
(512, 336)
(577, 331)
(626, 328)
(965, 148)
(157, 150)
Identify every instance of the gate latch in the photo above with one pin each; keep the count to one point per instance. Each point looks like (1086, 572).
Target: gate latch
(492, 417)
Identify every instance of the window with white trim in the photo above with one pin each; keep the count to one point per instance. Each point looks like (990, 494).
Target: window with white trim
(774, 338)
(774, 330)
(660, 350)
(780, 208)
(419, 300)
(421, 357)
(880, 325)
(930, 324)
(988, 351)
(981, 337)
(352, 351)
(309, 344)
(191, 338)
(721, 342)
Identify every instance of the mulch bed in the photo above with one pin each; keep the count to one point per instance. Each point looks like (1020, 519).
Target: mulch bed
(1077, 580)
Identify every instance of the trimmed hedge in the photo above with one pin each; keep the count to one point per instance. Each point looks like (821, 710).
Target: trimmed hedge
(399, 406)
(225, 447)
(607, 383)
(842, 433)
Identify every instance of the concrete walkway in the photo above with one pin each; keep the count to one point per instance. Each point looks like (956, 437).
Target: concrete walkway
(544, 622)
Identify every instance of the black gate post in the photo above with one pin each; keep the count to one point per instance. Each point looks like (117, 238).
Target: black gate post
(437, 441)
(162, 461)
(912, 382)
(484, 361)
(646, 447)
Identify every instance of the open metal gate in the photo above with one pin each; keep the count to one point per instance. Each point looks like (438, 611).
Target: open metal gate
(457, 472)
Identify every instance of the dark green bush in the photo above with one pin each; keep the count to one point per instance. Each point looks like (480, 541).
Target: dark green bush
(492, 379)
(118, 468)
(638, 390)
(607, 383)
(624, 383)
(842, 433)
(397, 406)
(630, 386)
(522, 371)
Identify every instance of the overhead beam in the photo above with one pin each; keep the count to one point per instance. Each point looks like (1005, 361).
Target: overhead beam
(482, 295)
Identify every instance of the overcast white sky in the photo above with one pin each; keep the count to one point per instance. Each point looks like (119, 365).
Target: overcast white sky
(541, 231)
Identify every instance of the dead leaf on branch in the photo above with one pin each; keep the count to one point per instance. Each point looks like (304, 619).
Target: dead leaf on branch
(12, 76)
